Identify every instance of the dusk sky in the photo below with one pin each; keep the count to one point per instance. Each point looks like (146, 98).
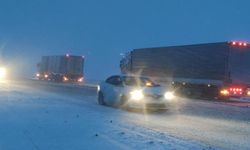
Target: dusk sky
(102, 29)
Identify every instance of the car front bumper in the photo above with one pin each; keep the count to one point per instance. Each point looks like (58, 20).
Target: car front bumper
(149, 103)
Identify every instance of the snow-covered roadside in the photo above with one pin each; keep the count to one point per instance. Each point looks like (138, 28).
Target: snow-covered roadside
(34, 119)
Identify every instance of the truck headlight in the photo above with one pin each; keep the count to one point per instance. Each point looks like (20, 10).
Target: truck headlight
(137, 95)
(80, 79)
(224, 92)
(169, 95)
(2, 72)
(65, 79)
(46, 76)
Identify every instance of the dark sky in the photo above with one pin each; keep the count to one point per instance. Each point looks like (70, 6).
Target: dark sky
(101, 30)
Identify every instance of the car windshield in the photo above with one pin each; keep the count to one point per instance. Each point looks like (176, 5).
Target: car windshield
(139, 81)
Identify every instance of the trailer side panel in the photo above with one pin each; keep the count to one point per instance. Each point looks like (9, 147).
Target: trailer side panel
(239, 65)
(204, 61)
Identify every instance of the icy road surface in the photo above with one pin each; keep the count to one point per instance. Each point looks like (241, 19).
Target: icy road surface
(41, 116)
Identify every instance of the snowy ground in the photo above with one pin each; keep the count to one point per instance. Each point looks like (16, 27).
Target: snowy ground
(43, 116)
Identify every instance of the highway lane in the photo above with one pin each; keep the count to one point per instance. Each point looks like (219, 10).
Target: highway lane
(216, 124)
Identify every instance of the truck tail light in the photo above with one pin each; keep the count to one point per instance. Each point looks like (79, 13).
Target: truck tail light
(241, 44)
(235, 89)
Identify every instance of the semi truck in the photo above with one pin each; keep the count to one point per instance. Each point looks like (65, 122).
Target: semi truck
(61, 68)
(218, 70)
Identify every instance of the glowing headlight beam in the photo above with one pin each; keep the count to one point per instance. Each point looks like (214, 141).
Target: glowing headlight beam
(3, 73)
(98, 88)
(80, 79)
(65, 78)
(137, 95)
(224, 92)
(169, 95)
(46, 76)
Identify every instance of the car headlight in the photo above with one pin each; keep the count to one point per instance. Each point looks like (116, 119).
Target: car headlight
(137, 95)
(2, 73)
(169, 95)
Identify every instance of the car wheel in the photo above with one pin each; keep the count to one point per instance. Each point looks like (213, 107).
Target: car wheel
(101, 98)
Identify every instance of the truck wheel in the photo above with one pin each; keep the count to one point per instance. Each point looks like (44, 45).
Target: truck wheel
(100, 98)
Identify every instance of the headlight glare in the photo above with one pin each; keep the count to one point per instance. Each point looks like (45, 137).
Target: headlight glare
(169, 95)
(65, 79)
(2, 73)
(137, 95)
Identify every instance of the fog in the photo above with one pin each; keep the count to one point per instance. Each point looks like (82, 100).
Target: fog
(101, 30)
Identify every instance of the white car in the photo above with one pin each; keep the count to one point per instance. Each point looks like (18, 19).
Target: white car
(133, 92)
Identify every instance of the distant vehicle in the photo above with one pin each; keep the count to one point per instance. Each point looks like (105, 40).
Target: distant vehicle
(61, 68)
(214, 70)
(129, 91)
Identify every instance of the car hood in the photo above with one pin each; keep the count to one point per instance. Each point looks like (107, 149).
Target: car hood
(154, 90)
(150, 90)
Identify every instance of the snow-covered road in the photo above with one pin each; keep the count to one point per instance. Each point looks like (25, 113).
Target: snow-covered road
(47, 117)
